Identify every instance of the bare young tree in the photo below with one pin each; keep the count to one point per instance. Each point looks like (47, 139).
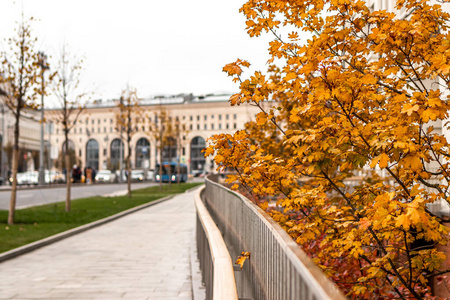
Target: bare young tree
(179, 134)
(20, 69)
(66, 88)
(168, 133)
(127, 122)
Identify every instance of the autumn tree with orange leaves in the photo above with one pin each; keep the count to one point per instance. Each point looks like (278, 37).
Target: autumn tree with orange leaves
(350, 144)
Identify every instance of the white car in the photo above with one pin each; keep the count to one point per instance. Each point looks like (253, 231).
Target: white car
(137, 175)
(28, 178)
(105, 176)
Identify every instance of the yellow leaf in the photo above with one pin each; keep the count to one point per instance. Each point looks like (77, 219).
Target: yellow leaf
(403, 221)
(261, 118)
(374, 162)
(410, 109)
(290, 76)
(242, 258)
(235, 99)
(384, 160)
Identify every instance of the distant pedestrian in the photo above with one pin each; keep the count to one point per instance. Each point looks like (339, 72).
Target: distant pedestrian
(88, 175)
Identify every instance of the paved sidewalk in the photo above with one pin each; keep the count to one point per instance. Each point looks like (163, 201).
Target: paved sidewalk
(145, 255)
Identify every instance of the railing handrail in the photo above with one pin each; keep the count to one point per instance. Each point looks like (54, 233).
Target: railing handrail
(312, 275)
(224, 285)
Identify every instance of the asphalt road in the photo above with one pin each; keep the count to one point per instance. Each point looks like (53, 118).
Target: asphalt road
(27, 197)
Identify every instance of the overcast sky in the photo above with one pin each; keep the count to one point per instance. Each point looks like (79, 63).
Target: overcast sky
(159, 47)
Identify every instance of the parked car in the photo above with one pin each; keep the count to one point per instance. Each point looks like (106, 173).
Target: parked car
(137, 175)
(27, 178)
(105, 176)
(197, 173)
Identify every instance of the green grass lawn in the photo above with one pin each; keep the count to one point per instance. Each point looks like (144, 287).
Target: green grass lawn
(32, 224)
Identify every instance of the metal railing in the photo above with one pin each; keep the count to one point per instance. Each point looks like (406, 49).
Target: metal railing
(277, 268)
(215, 261)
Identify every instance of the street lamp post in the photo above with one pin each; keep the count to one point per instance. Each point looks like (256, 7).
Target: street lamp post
(43, 65)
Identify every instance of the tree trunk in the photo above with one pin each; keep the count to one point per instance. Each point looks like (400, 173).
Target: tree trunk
(160, 166)
(12, 201)
(15, 165)
(178, 170)
(68, 183)
(170, 164)
(129, 174)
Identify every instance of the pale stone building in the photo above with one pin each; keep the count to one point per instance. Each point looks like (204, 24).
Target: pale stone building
(97, 142)
(29, 139)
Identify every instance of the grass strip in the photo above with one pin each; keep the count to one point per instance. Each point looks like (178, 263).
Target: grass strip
(35, 223)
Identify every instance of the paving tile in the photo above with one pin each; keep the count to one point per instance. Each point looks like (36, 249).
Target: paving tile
(145, 255)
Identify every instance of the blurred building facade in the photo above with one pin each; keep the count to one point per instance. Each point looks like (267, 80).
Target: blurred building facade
(97, 142)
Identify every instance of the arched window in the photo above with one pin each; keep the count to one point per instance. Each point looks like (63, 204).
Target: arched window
(197, 158)
(71, 147)
(142, 153)
(116, 153)
(92, 153)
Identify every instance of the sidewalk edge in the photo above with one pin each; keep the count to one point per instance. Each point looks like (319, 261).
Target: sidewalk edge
(57, 237)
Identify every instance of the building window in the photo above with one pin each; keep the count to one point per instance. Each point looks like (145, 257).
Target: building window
(110, 129)
(142, 153)
(198, 126)
(228, 126)
(116, 149)
(205, 126)
(184, 117)
(212, 116)
(206, 117)
(104, 129)
(93, 121)
(92, 151)
(93, 130)
(234, 116)
(191, 118)
(74, 130)
(98, 121)
(57, 131)
(104, 152)
(220, 125)
(81, 130)
(110, 121)
(234, 125)
(190, 127)
(220, 117)
(212, 126)
(197, 157)
(227, 117)
(104, 120)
